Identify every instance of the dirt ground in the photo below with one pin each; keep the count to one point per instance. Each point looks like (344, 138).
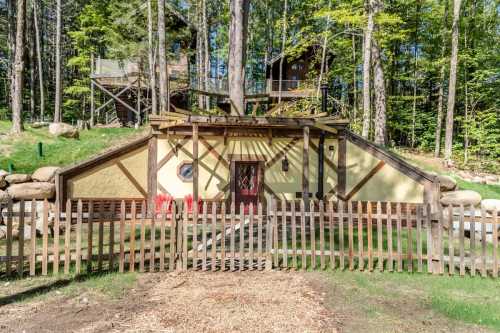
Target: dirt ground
(194, 302)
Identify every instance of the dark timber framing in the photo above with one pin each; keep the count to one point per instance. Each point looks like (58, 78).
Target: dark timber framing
(195, 164)
(152, 169)
(305, 166)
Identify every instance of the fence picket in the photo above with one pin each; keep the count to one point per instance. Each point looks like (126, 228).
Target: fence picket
(162, 236)
(259, 236)
(8, 250)
(195, 236)
(331, 235)
(472, 240)
(361, 261)
(390, 243)
(483, 242)
(213, 234)
(409, 228)
(419, 239)
(204, 237)
(399, 240)
(303, 234)
(100, 249)
(90, 235)
(172, 245)
(341, 234)
(33, 239)
(45, 237)
(79, 213)
(233, 236)
(495, 243)
(461, 236)
(451, 250)
(274, 228)
(294, 235)
(67, 238)
(179, 227)
(322, 234)
(133, 217)
(351, 235)
(312, 227)
(370, 235)
(112, 237)
(242, 237)
(283, 234)
(380, 235)
(250, 236)
(184, 239)
(440, 241)
(223, 237)
(20, 239)
(430, 253)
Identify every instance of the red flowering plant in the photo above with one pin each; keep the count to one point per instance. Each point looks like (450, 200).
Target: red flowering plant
(163, 200)
(188, 203)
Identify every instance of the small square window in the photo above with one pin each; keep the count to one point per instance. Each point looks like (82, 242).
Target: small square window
(185, 171)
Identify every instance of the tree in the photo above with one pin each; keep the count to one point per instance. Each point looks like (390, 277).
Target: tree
(18, 82)
(448, 143)
(237, 55)
(439, 120)
(380, 96)
(366, 67)
(39, 59)
(58, 89)
(283, 46)
(151, 60)
(164, 86)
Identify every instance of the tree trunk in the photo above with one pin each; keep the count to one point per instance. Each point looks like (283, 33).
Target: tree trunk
(164, 88)
(200, 63)
(206, 56)
(237, 55)
(11, 40)
(39, 60)
(323, 52)
(354, 81)
(283, 45)
(31, 50)
(380, 96)
(151, 59)
(58, 91)
(448, 143)
(17, 97)
(415, 75)
(439, 120)
(366, 68)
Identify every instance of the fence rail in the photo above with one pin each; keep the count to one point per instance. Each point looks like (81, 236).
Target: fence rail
(128, 236)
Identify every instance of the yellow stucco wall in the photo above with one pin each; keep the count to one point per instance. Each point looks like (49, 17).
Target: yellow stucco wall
(214, 175)
(108, 181)
(388, 184)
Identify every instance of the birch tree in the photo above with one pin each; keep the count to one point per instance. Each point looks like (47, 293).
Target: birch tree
(164, 88)
(237, 54)
(439, 120)
(58, 89)
(151, 60)
(366, 67)
(448, 143)
(39, 60)
(18, 72)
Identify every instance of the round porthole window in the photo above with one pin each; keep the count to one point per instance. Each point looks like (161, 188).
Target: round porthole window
(185, 171)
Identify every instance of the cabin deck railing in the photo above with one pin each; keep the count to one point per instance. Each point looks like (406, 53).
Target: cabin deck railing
(128, 236)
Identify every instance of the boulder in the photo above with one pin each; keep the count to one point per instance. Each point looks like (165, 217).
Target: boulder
(447, 183)
(27, 217)
(465, 197)
(3, 173)
(39, 124)
(28, 191)
(45, 174)
(3, 183)
(64, 130)
(4, 197)
(18, 178)
(491, 204)
(3, 232)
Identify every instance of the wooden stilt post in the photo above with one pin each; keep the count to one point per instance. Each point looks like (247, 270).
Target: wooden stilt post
(305, 167)
(152, 171)
(92, 102)
(341, 161)
(195, 164)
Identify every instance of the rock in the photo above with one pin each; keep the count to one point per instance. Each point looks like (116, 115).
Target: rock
(3, 173)
(465, 197)
(491, 204)
(18, 178)
(15, 232)
(3, 232)
(4, 197)
(28, 191)
(39, 124)
(27, 211)
(45, 174)
(64, 130)
(478, 180)
(3, 183)
(446, 183)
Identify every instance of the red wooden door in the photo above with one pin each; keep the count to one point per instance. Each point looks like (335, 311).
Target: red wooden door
(247, 183)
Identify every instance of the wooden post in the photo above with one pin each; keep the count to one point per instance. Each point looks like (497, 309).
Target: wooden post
(436, 245)
(92, 89)
(305, 167)
(152, 171)
(195, 164)
(341, 161)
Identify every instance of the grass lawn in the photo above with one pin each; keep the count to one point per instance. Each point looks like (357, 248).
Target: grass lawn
(22, 150)
(392, 298)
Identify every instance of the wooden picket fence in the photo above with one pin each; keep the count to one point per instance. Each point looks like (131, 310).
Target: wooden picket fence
(87, 236)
